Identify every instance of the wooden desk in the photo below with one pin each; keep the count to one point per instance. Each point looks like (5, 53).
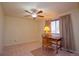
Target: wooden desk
(55, 41)
(48, 41)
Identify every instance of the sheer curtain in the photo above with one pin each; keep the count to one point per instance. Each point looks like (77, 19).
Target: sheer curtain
(66, 32)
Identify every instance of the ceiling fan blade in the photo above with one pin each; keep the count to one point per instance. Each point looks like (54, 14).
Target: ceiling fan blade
(39, 12)
(40, 16)
(27, 11)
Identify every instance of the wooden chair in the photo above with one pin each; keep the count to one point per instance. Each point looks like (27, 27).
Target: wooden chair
(48, 42)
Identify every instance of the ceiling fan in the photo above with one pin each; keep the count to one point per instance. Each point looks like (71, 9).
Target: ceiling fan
(34, 13)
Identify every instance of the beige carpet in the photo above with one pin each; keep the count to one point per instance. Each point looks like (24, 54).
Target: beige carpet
(33, 49)
(43, 52)
(51, 52)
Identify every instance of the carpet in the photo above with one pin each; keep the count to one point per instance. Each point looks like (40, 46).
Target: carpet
(43, 52)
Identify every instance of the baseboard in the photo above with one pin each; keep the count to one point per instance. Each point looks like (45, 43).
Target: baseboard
(22, 43)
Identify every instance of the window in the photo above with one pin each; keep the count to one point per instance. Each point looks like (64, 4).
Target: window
(55, 27)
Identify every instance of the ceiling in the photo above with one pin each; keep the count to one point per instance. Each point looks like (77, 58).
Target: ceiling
(50, 9)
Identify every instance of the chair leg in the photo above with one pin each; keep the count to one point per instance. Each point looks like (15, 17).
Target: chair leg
(56, 47)
(56, 50)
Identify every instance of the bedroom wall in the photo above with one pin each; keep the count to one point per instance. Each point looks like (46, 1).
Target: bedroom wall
(19, 30)
(75, 21)
(1, 29)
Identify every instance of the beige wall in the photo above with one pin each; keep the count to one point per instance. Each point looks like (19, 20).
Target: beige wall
(19, 30)
(1, 29)
(75, 21)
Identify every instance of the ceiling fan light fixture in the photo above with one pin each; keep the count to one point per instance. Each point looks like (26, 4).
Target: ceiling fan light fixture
(34, 15)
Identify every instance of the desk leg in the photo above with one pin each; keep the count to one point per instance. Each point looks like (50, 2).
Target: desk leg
(60, 46)
(56, 47)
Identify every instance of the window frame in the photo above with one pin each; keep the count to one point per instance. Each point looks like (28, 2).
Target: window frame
(55, 26)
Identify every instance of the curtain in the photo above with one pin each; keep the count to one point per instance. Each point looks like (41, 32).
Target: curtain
(66, 32)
